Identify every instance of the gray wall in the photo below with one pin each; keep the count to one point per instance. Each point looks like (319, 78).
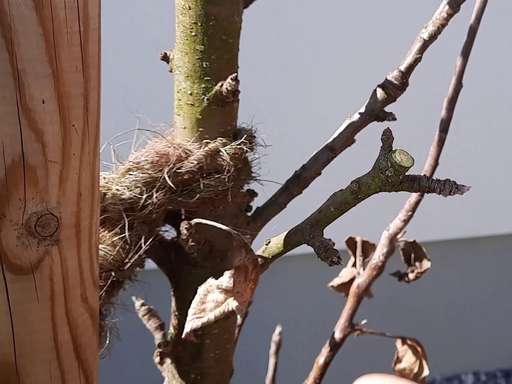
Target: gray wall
(304, 66)
(460, 310)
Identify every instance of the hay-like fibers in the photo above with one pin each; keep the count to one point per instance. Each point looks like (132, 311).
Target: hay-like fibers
(166, 175)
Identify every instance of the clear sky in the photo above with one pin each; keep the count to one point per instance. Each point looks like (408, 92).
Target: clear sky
(304, 67)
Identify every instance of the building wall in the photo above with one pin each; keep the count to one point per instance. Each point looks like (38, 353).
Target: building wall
(460, 310)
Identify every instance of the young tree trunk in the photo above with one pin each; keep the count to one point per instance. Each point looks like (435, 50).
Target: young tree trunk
(206, 54)
(205, 65)
(49, 201)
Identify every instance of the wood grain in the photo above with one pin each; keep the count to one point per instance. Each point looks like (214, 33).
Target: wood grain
(49, 162)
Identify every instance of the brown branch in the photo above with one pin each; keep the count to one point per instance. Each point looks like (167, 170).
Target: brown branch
(359, 330)
(156, 326)
(240, 322)
(344, 327)
(247, 3)
(167, 57)
(386, 175)
(273, 355)
(424, 184)
(151, 319)
(386, 93)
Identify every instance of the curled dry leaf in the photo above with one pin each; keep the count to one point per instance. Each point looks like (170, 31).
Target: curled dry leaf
(415, 258)
(360, 253)
(230, 293)
(410, 360)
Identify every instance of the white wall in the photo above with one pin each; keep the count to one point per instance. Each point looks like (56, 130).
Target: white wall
(460, 310)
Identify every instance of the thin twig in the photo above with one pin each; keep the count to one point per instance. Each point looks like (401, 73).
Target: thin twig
(273, 355)
(240, 322)
(156, 326)
(359, 330)
(152, 320)
(344, 327)
(386, 93)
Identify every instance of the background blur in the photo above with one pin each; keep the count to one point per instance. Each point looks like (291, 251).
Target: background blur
(304, 67)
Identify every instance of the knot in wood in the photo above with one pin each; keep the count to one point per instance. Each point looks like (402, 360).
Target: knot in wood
(43, 225)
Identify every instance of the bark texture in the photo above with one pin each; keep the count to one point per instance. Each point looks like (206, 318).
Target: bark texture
(205, 64)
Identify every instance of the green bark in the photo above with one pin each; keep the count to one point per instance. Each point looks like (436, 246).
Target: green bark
(385, 175)
(206, 53)
(204, 63)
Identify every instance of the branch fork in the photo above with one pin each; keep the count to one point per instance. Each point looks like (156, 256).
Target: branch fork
(388, 174)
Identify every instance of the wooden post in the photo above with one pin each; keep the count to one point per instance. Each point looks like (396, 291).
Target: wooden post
(49, 200)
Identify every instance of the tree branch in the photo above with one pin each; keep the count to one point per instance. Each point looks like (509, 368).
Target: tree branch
(156, 326)
(359, 330)
(386, 93)
(344, 327)
(425, 184)
(203, 29)
(151, 319)
(386, 175)
(273, 355)
(247, 3)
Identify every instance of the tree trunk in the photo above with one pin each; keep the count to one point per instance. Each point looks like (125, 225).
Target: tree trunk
(206, 54)
(205, 65)
(49, 200)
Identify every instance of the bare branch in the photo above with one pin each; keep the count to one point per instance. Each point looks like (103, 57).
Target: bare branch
(156, 326)
(240, 322)
(424, 184)
(386, 175)
(344, 327)
(359, 330)
(247, 3)
(273, 355)
(324, 248)
(151, 319)
(386, 93)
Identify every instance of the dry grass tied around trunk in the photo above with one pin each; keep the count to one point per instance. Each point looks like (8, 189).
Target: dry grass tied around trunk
(169, 177)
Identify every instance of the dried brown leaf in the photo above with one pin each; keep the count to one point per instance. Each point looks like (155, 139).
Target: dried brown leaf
(230, 293)
(343, 281)
(360, 253)
(410, 360)
(415, 258)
